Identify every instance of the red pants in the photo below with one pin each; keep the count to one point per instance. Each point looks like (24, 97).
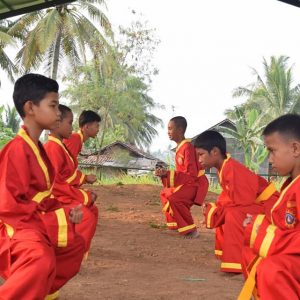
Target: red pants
(180, 203)
(232, 236)
(87, 227)
(278, 277)
(36, 268)
(170, 221)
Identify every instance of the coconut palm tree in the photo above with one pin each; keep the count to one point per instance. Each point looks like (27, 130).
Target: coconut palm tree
(274, 92)
(64, 31)
(6, 39)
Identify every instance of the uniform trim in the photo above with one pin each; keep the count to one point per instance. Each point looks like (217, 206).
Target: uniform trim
(182, 229)
(23, 134)
(259, 219)
(62, 238)
(211, 211)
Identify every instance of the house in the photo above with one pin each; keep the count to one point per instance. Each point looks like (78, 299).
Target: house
(119, 158)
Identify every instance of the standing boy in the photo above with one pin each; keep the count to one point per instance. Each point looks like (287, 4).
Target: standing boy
(39, 250)
(275, 239)
(185, 186)
(242, 192)
(68, 179)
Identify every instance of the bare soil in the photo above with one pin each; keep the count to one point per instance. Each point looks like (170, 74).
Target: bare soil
(134, 257)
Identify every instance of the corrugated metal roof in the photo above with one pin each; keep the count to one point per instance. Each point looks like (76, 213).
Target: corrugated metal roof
(11, 8)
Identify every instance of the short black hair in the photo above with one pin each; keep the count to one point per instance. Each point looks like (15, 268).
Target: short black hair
(32, 87)
(88, 116)
(287, 125)
(64, 110)
(209, 139)
(180, 122)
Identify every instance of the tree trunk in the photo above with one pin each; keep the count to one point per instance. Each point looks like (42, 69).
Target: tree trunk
(55, 61)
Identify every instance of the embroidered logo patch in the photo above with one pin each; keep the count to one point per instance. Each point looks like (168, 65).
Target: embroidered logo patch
(290, 219)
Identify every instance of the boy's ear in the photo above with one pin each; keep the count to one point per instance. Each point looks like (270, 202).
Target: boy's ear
(296, 148)
(28, 108)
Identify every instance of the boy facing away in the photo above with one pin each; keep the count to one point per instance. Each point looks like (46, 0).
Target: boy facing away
(242, 192)
(39, 250)
(275, 238)
(68, 178)
(185, 186)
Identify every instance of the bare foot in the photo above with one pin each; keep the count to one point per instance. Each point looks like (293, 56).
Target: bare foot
(192, 235)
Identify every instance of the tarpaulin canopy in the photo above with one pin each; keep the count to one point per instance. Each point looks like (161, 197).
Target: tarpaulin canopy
(10, 8)
(292, 2)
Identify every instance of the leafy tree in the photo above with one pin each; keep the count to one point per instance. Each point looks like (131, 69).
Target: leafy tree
(273, 93)
(12, 118)
(64, 31)
(6, 134)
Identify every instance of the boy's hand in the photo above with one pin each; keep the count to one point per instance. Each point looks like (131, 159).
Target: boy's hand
(76, 214)
(93, 198)
(91, 178)
(248, 220)
(160, 172)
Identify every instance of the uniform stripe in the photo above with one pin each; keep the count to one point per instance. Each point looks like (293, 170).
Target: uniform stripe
(23, 134)
(62, 238)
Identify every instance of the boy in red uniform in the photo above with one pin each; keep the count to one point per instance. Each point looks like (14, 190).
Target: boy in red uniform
(185, 186)
(39, 250)
(68, 178)
(275, 238)
(242, 192)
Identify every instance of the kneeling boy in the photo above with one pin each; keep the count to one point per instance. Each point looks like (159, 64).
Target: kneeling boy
(242, 192)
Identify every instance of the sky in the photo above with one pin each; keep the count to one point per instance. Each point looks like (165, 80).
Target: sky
(207, 50)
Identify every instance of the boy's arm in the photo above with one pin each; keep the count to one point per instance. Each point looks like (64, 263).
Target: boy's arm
(190, 161)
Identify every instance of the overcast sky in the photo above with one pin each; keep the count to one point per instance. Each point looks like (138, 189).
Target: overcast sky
(206, 50)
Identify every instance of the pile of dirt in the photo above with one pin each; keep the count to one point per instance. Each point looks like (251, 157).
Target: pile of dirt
(133, 255)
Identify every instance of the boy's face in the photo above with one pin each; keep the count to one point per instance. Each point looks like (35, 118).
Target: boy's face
(65, 126)
(206, 159)
(283, 153)
(92, 129)
(173, 131)
(46, 113)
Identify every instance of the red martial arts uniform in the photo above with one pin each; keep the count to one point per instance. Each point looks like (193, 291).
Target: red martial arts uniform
(185, 186)
(275, 240)
(39, 249)
(74, 144)
(67, 189)
(242, 192)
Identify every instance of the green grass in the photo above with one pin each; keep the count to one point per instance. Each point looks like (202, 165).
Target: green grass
(157, 226)
(127, 179)
(113, 208)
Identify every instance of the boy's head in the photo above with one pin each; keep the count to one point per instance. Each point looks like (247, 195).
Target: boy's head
(64, 130)
(176, 128)
(210, 147)
(282, 139)
(36, 97)
(89, 123)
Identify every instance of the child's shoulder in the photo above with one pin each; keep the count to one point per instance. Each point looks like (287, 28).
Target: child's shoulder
(15, 148)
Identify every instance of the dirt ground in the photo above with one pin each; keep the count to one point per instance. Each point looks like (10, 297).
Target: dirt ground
(134, 257)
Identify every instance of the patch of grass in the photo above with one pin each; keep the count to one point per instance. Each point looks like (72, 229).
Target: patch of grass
(155, 202)
(113, 208)
(157, 226)
(128, 179)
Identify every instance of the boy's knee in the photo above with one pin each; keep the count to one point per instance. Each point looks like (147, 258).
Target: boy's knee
(42, 259)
